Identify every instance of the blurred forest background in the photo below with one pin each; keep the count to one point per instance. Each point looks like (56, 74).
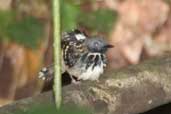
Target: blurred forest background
(139, 29)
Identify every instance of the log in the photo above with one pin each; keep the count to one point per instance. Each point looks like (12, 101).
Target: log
(131, 90)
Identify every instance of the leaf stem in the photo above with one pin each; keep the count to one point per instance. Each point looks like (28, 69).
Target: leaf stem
(57, 53)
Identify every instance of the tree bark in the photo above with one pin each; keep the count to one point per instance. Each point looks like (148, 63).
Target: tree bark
(132, 90)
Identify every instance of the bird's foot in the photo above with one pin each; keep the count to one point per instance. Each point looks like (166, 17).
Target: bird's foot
(97, 80)
(74, 80)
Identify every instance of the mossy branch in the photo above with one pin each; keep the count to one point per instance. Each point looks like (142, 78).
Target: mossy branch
(130, 90)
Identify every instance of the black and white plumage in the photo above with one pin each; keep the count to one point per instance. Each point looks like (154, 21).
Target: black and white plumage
(83, 57)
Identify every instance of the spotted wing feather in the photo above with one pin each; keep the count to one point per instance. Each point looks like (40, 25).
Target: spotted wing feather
(73, 46)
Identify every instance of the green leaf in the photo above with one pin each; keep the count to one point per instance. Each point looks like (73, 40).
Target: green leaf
(27, 32)
(6, 18)
(70, 12)
(167, 1)
(101, 20)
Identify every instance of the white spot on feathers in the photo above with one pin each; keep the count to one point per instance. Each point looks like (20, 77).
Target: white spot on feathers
(80, 37)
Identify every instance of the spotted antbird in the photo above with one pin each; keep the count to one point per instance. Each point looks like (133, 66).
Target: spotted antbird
(83, 57)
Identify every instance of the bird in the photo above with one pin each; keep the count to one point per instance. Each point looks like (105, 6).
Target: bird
(83, 56)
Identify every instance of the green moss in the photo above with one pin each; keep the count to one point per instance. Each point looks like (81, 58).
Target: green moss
(50, 109)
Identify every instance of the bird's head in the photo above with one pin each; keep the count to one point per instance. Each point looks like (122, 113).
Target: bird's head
(98, 45)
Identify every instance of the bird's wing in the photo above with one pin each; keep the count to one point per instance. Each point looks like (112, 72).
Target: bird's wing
(73, 46)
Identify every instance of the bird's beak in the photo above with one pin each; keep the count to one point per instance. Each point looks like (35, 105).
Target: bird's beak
(109, 46)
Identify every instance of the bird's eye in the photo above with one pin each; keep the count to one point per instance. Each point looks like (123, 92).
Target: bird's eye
(96, 44)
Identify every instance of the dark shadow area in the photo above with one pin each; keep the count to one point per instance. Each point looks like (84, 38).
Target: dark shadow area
(164, 109)
(66, 80)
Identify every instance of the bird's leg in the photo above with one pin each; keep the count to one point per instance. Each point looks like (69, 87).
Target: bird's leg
(97, 80)
(74, 80)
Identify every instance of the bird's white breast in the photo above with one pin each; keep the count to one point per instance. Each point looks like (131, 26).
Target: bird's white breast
(90, 73)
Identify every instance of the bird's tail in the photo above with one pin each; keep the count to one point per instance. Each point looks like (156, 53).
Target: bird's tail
(46, 73)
